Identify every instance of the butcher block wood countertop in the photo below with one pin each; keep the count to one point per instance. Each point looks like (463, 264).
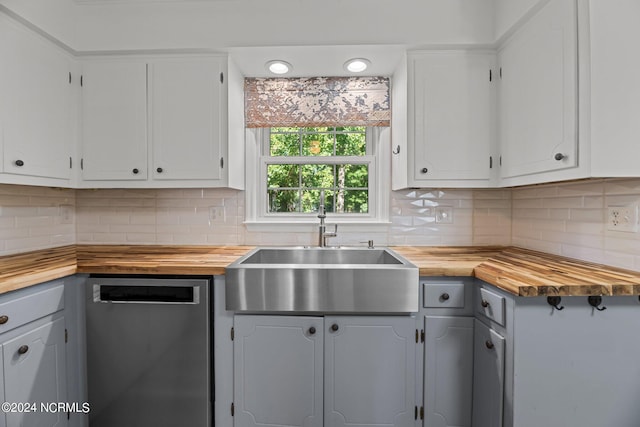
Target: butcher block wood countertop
(518, 271)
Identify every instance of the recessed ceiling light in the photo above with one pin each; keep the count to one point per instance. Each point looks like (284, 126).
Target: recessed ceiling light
(278, 67)
(357, 65)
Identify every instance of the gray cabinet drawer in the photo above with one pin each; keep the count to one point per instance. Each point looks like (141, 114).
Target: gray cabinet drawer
(443, 295)
(491, 305)
(20, 310)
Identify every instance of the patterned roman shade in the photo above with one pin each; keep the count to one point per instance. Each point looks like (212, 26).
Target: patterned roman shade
(317, 101)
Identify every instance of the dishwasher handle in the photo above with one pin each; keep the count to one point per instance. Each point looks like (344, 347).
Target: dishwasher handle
(144, 294)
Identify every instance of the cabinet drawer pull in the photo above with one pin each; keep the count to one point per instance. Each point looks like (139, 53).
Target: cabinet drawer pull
(424, 170)
(23, 349)
(159, 170)
(312, 330)
(489, 344)
(4, 319)
(335, 327)
(484, 303)
(559, 156)
(444, 297)
(135, 171)
(19, 163)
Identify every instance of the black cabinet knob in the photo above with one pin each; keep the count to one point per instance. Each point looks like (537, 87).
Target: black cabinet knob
(159, 170)
(489, 344)
(444, 297)
(335, 327)
(135, 171)
(484, 303)
(559, 156)
(19, 163)
(23, 349)
(312, 330)
(4, 319)
(424, 170)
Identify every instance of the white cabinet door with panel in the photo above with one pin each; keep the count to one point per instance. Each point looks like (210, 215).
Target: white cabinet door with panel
(538, 97)
(187, 118)
(37, 108)
(278, 371)
(369, 371)
(451, 118)
(114, 120)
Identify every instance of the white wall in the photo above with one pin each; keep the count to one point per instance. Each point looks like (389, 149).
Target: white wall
(240, 23)
(55, 17)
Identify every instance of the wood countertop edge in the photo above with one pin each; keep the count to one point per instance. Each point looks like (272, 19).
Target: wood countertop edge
(521, 272)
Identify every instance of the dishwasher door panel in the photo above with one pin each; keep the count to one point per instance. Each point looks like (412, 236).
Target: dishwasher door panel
(148, 352)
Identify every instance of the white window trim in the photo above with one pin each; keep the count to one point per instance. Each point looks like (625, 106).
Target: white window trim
(256, 217)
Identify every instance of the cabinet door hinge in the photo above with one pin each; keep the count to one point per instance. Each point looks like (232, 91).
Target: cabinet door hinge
(490, 162)
(415, 413)
(81, 82)
(221, 162)
(422, 412)
(490, 75)
(421, 335)
(66, 336)
(417, 336)
(70, 163)
(69, 77)
(81, 164)
(500, 160)
(221, 77)
(233, 334)
(233, 409)
(501, 73)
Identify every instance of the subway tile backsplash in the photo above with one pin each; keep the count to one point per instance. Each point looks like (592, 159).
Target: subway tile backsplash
(563, 218)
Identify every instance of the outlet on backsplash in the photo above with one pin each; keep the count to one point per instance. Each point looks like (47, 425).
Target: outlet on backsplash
(623, 218)
(444, 214)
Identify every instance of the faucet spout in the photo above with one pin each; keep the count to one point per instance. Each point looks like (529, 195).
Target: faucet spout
(323, 234)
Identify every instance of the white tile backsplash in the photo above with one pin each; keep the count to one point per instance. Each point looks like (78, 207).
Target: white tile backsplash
(563, 218)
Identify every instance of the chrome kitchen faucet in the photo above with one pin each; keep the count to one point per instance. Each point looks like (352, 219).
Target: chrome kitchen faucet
(323, 234)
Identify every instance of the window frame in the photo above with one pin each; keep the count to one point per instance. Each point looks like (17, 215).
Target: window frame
(377, 158)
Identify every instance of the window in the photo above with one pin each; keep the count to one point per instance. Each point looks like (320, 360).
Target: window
(300, 162)
(293, 164)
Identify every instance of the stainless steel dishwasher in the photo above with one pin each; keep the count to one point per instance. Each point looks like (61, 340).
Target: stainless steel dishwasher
(149, 351)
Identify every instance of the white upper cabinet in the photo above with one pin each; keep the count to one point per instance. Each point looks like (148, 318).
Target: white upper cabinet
(186, 118)
(114, 120)
(538, 119)
(38, 87)
(160, 122)
(450, 120)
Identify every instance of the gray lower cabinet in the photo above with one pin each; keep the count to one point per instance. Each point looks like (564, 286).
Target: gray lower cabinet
(33, 356)
(448, 371)
(448, 350)
(35, 373)
(488, 376)
(315, 371)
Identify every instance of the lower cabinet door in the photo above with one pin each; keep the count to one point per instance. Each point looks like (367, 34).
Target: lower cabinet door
(35, 373)
(448, 371)
(369, 371)
(278, 371)
(488, 377)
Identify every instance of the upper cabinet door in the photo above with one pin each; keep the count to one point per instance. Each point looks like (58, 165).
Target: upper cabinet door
(37, 103)
(451, 118)
(538, 94)
(186, 118)
(114, 120)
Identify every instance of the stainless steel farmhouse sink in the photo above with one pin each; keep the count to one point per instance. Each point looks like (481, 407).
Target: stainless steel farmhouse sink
(322, 280)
